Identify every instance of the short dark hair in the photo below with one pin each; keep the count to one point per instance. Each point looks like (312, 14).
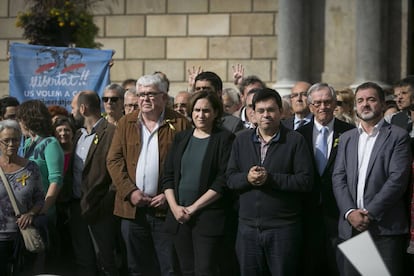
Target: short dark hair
(129, 81)
(64, 121)
(250, 80)
(6, 102)
(373, 85)
(91, 100)
(407, 81)
(265, 94)
(212, 77)
(213, 100)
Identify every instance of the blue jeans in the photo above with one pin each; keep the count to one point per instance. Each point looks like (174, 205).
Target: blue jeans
(274, 251)
(150, 250)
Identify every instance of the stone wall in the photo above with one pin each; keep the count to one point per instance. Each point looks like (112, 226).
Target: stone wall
(172, 36)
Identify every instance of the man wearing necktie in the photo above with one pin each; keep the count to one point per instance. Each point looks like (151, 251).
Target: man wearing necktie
(300, 106)
(321, 213)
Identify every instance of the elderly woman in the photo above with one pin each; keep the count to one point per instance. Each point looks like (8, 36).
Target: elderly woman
(24, 178)
(194, 182)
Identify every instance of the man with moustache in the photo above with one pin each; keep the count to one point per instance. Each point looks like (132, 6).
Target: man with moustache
(370, 178)
(321, 213)
(298, 99)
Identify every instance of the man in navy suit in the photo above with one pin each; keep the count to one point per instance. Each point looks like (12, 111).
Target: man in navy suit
(298, 100)
(321, 213)
(370, 179)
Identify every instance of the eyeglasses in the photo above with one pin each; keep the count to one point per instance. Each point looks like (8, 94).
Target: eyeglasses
(151, 95)
(134, 106)
(113, 99)
(327, 103)
(339, 103)
(9, 141)
(299, 94)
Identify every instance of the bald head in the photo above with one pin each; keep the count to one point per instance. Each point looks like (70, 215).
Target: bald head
(298, 98)
(181, 102)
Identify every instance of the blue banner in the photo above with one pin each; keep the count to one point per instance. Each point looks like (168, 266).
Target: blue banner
(55, 74)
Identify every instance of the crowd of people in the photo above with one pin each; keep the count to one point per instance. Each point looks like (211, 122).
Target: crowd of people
(216, 181)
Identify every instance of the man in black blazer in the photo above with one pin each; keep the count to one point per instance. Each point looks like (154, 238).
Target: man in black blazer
(370, 179)
(300, 107)
(321, 213)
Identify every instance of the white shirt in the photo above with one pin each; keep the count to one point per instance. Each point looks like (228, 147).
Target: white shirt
(365, 145)
(147, 172)
(316, 130)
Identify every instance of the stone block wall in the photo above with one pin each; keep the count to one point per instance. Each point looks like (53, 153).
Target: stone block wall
(172, 36)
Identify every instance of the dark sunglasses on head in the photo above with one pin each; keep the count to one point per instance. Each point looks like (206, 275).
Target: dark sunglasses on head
(113, 99)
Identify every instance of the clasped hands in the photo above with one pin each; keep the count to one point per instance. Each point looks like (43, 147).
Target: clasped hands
(140, 199)
(359, 219)
(257, 175)
(183, 214)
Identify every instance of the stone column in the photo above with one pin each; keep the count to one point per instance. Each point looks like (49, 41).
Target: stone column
(370, 62)
(291, 45)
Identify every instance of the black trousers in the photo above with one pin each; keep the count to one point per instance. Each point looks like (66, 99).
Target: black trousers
(197, 254)
(106, 233)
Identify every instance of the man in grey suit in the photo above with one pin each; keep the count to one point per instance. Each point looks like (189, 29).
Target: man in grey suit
(370, 179)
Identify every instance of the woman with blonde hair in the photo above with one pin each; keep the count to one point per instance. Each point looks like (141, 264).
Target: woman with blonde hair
(345, 106)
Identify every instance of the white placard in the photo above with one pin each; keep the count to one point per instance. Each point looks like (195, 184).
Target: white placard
(363, 254)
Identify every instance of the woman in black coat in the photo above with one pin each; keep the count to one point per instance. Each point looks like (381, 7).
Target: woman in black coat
(194, 184)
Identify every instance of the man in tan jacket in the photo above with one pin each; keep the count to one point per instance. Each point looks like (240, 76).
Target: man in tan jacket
(135, 163)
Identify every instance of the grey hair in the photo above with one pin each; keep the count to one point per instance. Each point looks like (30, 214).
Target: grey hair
(319, 86)
(10, 124)
(233, 94)
(129, 92)
(155, 80)
(117, 88)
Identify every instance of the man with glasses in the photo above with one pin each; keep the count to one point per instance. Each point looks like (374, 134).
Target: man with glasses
(269, 169)
(113, 101)
(298, 99)
(135, 162)
(130, 100)
(321, 215)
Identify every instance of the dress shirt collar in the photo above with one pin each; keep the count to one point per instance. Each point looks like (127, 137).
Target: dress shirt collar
(375, 129)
